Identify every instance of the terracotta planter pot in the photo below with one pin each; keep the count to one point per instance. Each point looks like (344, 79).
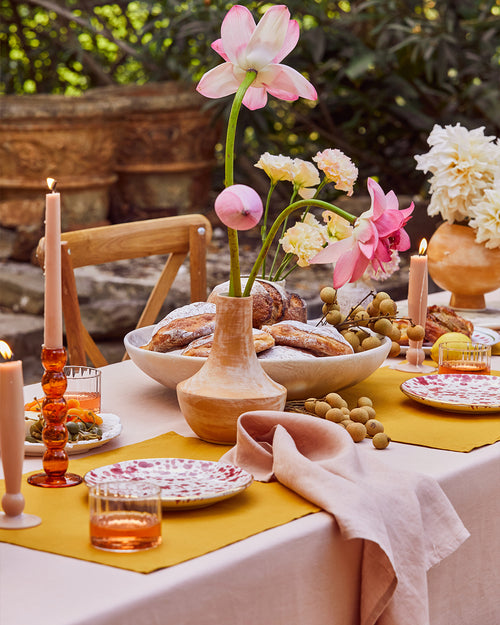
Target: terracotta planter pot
(232, 380)
(166, 149)
(460, 265)
(70, 139)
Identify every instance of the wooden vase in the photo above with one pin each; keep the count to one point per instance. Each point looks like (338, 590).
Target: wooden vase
(232, 380)
(460, 265)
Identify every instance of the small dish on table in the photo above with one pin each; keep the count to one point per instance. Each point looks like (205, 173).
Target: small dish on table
(111, 428)
(469, 393)
(185, 483)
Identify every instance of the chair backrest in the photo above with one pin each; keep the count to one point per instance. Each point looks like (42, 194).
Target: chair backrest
(175, 236)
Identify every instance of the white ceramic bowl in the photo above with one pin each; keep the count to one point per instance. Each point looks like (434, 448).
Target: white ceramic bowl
(313, 377)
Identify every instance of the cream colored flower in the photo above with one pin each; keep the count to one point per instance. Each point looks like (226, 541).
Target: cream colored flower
(304, 176)
(276, 167)
(338, 168)
(337, 227)
(463, 164)
(486, 217)
(305, 239)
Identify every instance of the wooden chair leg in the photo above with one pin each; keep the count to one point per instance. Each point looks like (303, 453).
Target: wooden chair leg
(79, 341)
(71, 310)
(198, 263)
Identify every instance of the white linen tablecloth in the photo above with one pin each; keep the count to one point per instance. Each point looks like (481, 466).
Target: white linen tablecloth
(301, 573)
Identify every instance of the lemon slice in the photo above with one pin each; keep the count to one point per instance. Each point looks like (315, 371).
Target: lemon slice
(456, 337)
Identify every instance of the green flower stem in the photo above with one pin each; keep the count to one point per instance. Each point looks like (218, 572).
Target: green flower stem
(263, 229)
(232, 235)
(283, 231)
(274, 229)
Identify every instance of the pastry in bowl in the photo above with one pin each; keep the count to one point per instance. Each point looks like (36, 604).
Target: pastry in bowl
(318, 340)
(271, 302)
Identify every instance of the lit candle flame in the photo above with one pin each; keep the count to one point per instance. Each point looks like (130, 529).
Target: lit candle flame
(51, 183)
(5, 351)
(423, 247)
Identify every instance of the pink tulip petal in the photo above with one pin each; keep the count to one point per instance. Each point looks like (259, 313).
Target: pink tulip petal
(378, 198)
(404, 241)
(281, 79)
(236, 31)
(218, 82)
(291, 39)
(389, 222)
(349, 268)
(332, 252)
(268, 38)
(368, 249)
(359, 268)
(407, 212)
(219, 48)
(365, 231)
(391, 201)
(255, 98)
(382, 253)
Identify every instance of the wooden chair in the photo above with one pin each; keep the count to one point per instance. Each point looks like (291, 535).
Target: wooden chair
(175, 236)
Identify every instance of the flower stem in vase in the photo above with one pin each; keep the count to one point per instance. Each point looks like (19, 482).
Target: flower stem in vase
(54, 433)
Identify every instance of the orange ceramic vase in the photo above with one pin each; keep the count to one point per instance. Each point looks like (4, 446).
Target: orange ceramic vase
(232, 380)
(460, 265)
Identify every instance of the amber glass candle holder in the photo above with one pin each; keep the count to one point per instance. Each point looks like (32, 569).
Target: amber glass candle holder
(54, 434)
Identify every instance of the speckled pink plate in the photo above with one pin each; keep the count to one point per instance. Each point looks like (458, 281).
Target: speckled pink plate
(456, 392)
(184, 483)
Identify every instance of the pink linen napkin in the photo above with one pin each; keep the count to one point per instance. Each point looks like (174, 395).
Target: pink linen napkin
(405, 519)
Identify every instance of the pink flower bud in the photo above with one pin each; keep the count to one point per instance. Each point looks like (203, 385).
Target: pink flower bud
(239, 207)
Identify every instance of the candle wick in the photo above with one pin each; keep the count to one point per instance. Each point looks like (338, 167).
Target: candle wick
(54, 185)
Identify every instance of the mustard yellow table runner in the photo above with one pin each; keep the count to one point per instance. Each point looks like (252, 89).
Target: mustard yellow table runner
(407, 421)
(65, 517)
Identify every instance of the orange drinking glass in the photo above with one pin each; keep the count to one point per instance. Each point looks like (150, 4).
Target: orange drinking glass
(84, 385)
(125, 515)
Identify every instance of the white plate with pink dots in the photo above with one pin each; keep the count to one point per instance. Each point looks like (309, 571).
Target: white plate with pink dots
(456, 392)
(184, 483)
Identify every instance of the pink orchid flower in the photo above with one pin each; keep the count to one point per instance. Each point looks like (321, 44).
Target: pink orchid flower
(245, 46)
(376, 233)
(239, 207)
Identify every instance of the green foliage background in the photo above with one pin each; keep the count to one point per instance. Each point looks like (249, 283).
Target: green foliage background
(386, 70)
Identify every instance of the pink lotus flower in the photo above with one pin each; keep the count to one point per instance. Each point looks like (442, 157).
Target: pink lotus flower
(245, 47)
(376, 233)
(239, 207)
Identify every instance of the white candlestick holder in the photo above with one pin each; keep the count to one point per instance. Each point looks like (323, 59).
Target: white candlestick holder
(12, 450)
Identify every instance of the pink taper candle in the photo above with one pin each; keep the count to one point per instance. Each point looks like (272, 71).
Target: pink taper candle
(417, 300)
(12, 442)
(53, 291)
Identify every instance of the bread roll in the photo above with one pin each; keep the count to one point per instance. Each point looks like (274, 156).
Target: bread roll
(271, 303)
(319, 340)
(201, 347)
(181, 326)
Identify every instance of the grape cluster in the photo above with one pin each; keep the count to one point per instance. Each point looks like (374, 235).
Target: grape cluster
(379, 316)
